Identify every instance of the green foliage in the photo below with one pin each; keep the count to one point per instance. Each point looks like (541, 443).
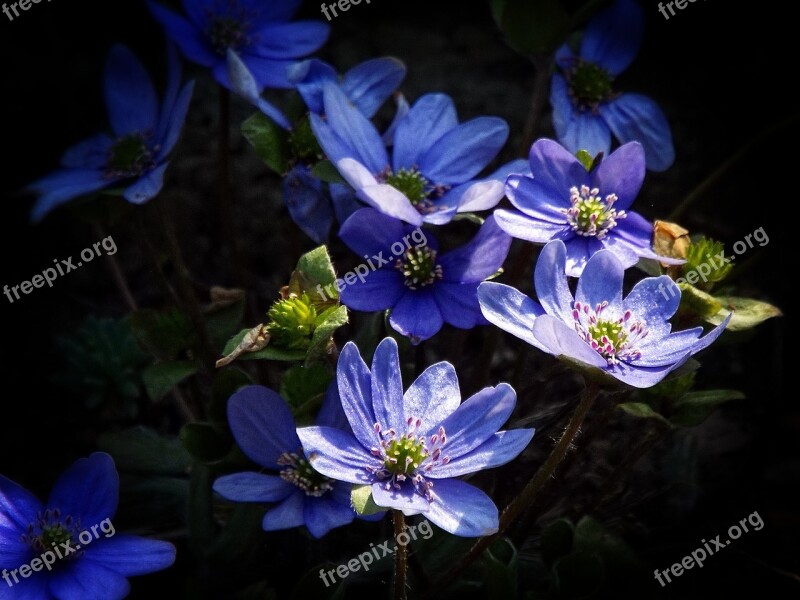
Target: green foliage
(159, 379)
(269, 141)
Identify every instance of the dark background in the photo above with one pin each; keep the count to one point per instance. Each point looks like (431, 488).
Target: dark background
(722, 75)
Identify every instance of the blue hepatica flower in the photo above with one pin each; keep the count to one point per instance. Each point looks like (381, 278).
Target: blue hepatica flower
(259, 31)
(55, 538)
(144, 134)
(410, 447)
(587, 210)
(265, 431)
(629, 339)
(429, 178)
(405, 273)
(587, 110)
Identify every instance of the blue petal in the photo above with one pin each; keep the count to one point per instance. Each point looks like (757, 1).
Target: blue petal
(621, 173)
(644, 377)
(171, 91)
(369, 232)
(556, 168)
(429, 119)
(387, 386)
(253, 487)
(91, 153)
(188, 38)
(633, 117)
(585, 131)
(130, 95)
(562, 105)
(331, 413)
(458, 304)
(478, 418)
(355, 392)
(471, 196)
(344, 201)
(480, 258)
(338, 454)
(550, 280)
(580, 249)
(402, 110)
(200, 12)
(462, 509)
(654, 300)
(389, 200)
(88, 490)
(417, 316)
(173, 121)
(241, 79)
(64, 186)
(310, 77)
(307, 203)
(147, 186)
(287, 514)
(433, 396)
(407, 498)
(537, 200)
(561, 340)
(274, 11)
(712, 335)
(614, 36)
(290, 40)
(501, 448)
(369, 84)
(668, 350)
(601, 281)
(35, 588)
(18, 508)
(510, 310)
(262, 424)
(86, 580)
(323, 514)
(130, 555)
(461, 153)
(380, 290)
(269, 72)
(524, 227)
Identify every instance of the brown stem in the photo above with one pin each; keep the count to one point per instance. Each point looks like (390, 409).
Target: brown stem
(541, 86)
(400, 557)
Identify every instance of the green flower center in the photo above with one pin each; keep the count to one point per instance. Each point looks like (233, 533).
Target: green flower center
(411, 183)
(418, 266)
(613, 339)
(292, 322)
(227, 32)
(591, 215)
(300, 473)
(607, 333)
(405, 455)
(51, 531)
(589, 84)
(129, 156)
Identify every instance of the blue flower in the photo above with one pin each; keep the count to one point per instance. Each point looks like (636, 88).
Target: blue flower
(259, 31)
(430, 175)
(265, 431)
(404, 272)
(144, 134)
(410, 447)
(72, 534)
(629, 339)
(587, 110)
(587, 210)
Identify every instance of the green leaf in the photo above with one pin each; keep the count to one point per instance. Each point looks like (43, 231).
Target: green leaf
(468, 216)
(226, 383)
(269, 141)
(698, 302)
(586, 159)
(268, 353)
(578, 575)
(317, 265)
(747, 312)
(641, 411)
(164, 335)
(557, 540)
(204, 442)
(161, 378)
(142, 450)
(326, 171)
(695, 407)
(501, 562)
(301, 385)
(224, 323)
(617, 556)
(534, 26)
(152, 501)
(327, 323)
(362, 502)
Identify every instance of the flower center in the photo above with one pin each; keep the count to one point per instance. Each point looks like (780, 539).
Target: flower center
(292, 322)
(229, 30)
(130, 156)
(590, 214)
(411, 182)
(589, 84)
(419, 267)
(613, 339)
(409, 456)
(300, 473)
(50, 531)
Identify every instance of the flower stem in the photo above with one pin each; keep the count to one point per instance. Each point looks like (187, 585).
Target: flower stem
(400, 557)
(531, 491)
(117, 274)
(541, 85)
(225, 199)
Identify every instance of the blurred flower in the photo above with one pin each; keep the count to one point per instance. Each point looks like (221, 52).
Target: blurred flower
(587, 210)
(259, 31)
(82, 503)
(587, 110)
(422, 288)
(628, 339)
(265, 431)
(144, 134)
(430, 176)
(410, 447)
